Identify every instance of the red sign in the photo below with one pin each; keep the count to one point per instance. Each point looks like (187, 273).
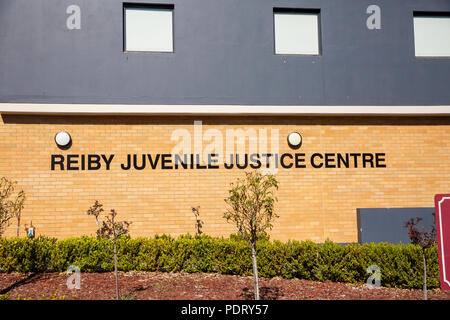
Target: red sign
(442, 214)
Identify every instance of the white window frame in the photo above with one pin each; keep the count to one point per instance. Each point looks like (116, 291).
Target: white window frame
(416, 21)
(162, 7)
(299, 11)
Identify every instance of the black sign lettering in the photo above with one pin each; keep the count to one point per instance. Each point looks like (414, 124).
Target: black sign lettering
(57, 159)
(283, 164)
(313, 163)
(168, 161)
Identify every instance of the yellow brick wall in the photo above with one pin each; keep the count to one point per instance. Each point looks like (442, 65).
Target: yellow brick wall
(313, 203)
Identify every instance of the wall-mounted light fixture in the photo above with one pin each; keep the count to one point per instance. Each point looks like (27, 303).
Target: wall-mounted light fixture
(294, 140)
(30, 230)
(63, 140)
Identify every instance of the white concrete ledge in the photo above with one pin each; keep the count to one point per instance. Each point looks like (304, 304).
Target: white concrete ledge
(226, 110)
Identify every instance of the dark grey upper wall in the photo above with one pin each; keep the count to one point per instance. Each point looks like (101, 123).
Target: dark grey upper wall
(223, 55)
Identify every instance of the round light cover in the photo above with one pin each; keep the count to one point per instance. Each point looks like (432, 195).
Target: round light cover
(294, 139)
(63, 139)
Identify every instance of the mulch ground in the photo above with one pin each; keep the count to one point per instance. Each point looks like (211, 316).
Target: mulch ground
(169, 286)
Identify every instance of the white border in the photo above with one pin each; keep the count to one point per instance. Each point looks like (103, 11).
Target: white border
(133, 109)
(442, 239)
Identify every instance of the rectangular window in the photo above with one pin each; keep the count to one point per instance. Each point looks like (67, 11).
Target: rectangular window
(148, 28)
(432, 34)
(297, 31)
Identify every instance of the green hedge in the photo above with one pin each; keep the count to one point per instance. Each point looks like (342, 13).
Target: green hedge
(400, 265)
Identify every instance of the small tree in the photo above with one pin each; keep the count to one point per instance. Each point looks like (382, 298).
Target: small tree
(10, 206)
(251, 207)
(96, 210)
(110, 229)
(425, 239)
(198, 222)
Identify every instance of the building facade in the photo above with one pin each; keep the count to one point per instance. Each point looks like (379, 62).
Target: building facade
(166, 104)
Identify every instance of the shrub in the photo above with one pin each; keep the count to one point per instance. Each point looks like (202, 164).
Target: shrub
(400, 265)
(4, 296)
